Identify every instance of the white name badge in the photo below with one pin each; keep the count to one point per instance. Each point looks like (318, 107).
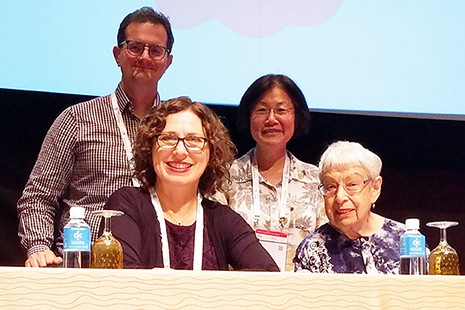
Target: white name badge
(275, 242)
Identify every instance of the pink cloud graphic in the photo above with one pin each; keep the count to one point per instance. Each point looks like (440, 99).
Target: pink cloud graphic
(254, 18)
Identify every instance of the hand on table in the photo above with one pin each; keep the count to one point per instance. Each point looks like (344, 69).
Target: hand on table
(43, 259)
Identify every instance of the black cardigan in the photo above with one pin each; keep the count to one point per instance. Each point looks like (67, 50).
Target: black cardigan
(138, 230)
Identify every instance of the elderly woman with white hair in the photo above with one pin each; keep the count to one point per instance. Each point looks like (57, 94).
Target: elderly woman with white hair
(356, 240)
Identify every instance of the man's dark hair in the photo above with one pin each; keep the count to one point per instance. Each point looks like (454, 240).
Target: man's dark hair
(146, 15)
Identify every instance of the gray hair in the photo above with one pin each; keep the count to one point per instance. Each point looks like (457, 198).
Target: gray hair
(345, 153)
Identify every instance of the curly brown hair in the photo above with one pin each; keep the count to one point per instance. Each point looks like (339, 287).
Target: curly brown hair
(222, 149)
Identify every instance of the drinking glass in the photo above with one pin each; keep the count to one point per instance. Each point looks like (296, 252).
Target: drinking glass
(443, 260)
(107, 251)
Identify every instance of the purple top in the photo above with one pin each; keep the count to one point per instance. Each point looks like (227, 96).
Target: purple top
(229, 242)
(181, 244)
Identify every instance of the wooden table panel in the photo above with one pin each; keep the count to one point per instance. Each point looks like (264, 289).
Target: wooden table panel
(57, 288)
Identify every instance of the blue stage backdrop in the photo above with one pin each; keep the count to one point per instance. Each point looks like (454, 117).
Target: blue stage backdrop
(381, 57)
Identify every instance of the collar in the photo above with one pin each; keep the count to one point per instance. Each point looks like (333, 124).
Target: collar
(124, 103)
(298, 171)
(123, 100)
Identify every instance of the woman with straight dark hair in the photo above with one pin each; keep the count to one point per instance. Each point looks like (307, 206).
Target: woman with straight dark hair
(271, 188)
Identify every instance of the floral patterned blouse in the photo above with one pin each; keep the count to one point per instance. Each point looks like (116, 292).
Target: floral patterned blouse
(304, 200)
(328, 251)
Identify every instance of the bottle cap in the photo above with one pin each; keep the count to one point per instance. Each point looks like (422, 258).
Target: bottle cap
(412, 223)
(76, 212)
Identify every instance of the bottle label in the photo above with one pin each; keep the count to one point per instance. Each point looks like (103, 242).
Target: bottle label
(76, 239)
(412, 245)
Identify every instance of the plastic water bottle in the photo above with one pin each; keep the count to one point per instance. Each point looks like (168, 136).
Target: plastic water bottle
(76, 245)
(413, 249)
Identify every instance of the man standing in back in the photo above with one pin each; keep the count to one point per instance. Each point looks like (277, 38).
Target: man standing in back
(86, 155)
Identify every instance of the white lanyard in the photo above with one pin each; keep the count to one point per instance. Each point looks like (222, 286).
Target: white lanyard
(124, 134)
(283, 211)
(198, 239)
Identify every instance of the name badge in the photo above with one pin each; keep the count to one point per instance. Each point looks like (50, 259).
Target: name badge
(275, 242)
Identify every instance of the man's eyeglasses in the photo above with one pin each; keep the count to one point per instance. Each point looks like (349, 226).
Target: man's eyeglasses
(265, 112)
(191, 143)
(136, 48)
(351, 187)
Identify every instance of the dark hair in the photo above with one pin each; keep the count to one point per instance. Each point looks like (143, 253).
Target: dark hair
(222, 149)
(255, 92)
(146, 15)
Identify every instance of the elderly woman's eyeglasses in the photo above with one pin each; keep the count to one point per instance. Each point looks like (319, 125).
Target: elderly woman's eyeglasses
(191, 142)
(265, 112)
(136, 48)
(351, 187)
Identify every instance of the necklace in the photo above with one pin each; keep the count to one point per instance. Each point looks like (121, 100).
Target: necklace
(179, 221)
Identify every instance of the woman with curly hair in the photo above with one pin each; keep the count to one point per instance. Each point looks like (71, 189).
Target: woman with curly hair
(182, 155)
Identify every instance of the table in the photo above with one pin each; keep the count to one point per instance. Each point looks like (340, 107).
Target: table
(49, 288)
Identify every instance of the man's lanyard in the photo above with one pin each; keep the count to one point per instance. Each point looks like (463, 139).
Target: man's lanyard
(124, 133)
(198, 239)
(282, 203)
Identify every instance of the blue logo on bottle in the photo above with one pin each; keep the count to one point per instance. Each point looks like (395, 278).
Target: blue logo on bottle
(412, 245)
(76, 239)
